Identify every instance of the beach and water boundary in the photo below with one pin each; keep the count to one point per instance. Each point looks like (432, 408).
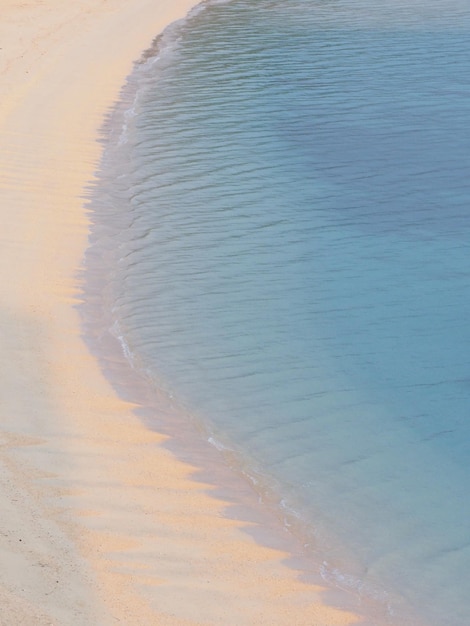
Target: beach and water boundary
(86, 536)
(360, 450)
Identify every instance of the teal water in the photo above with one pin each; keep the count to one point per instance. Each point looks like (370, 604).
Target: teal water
(282, 234)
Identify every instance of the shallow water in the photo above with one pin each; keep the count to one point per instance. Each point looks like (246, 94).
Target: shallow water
(283, 227)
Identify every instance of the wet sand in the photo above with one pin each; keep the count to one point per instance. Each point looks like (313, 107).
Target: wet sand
(100, 523)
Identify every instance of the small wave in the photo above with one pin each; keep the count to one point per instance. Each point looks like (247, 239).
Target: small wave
(129, 114)
(116, 332)
(218, 445)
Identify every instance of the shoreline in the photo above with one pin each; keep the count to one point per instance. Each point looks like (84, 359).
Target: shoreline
(101, 522)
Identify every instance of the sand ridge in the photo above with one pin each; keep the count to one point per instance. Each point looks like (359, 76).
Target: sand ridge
(100, 524)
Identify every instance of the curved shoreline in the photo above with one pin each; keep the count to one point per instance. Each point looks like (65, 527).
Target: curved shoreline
(101, 523)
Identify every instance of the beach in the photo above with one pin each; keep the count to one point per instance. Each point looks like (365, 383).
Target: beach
(100, 523)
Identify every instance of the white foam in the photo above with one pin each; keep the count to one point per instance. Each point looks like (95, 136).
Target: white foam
(115, 330)
(217, 444)
(129, 114)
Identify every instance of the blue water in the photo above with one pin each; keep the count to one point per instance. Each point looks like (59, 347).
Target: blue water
(283, 222)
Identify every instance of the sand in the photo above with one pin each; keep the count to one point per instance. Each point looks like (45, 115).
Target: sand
(100, 523)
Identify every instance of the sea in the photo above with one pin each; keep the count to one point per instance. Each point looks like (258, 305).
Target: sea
(280, 249)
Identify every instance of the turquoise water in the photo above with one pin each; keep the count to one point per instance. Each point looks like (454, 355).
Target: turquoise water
(281, 232)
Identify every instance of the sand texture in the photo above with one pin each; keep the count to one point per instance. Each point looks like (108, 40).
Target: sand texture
(99, 523)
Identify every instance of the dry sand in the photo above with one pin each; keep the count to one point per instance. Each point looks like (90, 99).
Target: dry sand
(99, 523)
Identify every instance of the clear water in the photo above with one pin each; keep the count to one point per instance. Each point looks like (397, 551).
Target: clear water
(283, 228)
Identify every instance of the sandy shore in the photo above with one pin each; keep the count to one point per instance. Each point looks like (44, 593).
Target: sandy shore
(100, 524)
